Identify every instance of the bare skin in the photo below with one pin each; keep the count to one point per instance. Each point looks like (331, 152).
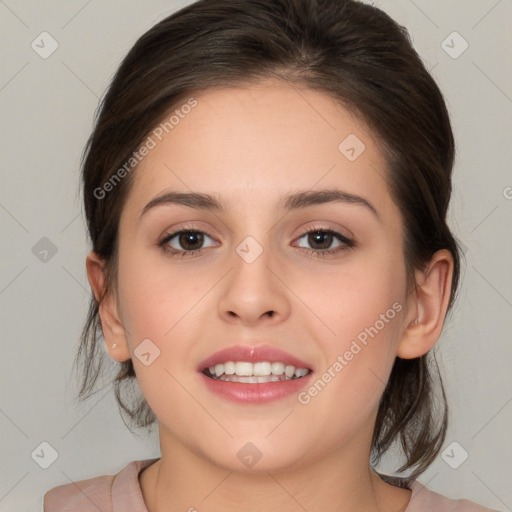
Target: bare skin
(248, 147)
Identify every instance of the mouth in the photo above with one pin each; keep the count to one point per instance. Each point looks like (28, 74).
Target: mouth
(255, 373)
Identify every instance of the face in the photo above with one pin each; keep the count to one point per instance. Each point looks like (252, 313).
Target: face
(322, 280)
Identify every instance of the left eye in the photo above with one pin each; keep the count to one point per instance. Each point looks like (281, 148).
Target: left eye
(321, 240)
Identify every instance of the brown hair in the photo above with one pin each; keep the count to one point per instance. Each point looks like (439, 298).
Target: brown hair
(351, 51)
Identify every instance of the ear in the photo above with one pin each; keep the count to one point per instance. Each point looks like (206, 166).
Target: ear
(111, 325)
(427, 306)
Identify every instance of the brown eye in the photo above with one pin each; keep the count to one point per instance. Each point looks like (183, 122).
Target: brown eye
(321, 240)
(185, 242)
(190, 240)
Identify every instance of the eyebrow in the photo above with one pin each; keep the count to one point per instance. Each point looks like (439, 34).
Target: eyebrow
(288, 202)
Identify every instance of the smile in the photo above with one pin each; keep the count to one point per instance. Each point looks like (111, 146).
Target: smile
(255, 373)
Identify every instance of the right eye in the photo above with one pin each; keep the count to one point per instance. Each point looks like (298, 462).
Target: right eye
(187, 242)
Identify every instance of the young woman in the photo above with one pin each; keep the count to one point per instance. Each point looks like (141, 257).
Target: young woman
(266, 191)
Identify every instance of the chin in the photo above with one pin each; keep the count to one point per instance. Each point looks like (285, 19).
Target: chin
(255, 455)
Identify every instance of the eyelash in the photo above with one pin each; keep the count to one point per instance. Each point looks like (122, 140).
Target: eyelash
(346, 243)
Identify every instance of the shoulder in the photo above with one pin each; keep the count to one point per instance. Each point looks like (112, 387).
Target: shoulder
(425, 500)
(85, 495)
(99, 493)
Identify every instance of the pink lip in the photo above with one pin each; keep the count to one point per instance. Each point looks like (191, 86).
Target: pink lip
(254, 393)
(252, 354)
(240, 392)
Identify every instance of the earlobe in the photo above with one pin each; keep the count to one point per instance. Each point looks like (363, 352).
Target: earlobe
(113, 331)
(429, 305)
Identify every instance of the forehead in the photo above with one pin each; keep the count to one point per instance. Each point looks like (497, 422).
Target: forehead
(258, 141)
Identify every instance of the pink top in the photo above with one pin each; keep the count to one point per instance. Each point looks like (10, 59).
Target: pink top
(122, 493)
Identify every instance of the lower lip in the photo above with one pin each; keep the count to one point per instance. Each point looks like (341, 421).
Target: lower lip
(255, 393)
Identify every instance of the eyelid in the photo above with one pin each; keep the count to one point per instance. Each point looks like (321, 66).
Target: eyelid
(319, 226)
(187, 226)
(169, 234)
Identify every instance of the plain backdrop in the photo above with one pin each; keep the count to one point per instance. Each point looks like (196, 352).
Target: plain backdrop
(47, 107)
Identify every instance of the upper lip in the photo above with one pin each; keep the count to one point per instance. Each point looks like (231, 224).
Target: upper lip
(252, 354)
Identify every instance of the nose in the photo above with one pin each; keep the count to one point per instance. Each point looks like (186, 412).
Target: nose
(254, 292)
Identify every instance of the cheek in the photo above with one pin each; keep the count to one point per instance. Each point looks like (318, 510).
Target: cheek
(159, 316)
(156, 295)
(362, 305)
(355, 295)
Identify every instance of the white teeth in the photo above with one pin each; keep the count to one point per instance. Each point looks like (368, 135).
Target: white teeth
(277, 368)
(289, 371)
(243, 369)
(262, 371)
(250, 380)
(301, 372)
(229, 368)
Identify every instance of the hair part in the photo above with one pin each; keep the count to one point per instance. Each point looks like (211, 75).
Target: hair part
(351, 51)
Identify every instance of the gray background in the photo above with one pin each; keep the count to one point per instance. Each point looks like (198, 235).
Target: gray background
(47, 110)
